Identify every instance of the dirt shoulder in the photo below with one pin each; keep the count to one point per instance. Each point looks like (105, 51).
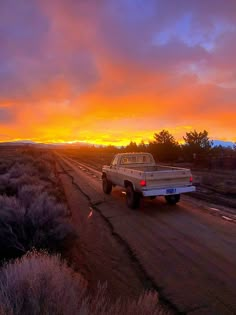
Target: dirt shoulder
(218, 187)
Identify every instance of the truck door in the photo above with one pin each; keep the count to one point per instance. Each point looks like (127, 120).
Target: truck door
(113, 171)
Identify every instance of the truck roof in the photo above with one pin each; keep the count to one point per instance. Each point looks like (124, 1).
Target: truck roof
(133, 153)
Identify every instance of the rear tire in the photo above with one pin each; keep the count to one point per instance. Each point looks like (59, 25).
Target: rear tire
(106, 185)
(152, 197)
(172, 199)
(132, 197)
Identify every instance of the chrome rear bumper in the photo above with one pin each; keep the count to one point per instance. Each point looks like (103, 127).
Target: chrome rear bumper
(167, 191)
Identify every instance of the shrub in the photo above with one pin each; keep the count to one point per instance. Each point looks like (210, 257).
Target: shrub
(6, 187)
(12, 234)
(43, 225)
(20, 169)
(14, 185)
(42, 284)
(4, 166)
(47, 222)
(146, 304)
(44, 168)
(29, 193)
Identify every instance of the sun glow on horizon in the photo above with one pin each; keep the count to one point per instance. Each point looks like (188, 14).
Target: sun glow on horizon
(104, 140)
(117, 72)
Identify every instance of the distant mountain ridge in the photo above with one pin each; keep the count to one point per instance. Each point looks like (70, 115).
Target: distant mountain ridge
(29, 142)
(223, 143)
(84, 144)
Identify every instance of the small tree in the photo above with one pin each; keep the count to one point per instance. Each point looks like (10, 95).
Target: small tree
(197, 143)
(132, 147)
(142, 147)
(164, 137)
(164, 147)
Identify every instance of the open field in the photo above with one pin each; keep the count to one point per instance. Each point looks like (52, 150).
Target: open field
(186, 252)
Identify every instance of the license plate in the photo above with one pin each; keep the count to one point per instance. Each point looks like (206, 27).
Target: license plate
(171, 190)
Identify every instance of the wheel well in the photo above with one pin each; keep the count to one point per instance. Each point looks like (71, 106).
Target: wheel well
(104, 175)
(128, 183)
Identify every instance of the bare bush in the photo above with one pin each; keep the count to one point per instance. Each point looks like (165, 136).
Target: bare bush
(146, 304)
(4, 179)
(16, 184)
(44, 168)
(43, 225)
(4, 166)
(29, 193)
(12, 234)
(42, 284)
(5, 187)
(20, 169)
(27, 169)
(48, 224)
(11, 186)
(41, 167)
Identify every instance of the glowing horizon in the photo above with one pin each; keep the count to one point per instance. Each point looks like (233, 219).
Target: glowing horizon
(116, 72)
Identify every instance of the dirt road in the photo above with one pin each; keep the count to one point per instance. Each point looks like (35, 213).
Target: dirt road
(188, 254)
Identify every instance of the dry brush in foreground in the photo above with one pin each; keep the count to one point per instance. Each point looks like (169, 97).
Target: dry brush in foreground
(31, 212)
(41, 284)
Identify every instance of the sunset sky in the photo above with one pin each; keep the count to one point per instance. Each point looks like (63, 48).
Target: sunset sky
(111, 71)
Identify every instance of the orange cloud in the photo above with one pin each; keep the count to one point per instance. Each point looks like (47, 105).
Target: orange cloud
(109, 72)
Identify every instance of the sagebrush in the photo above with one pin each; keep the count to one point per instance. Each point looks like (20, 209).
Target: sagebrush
(31, 213)
(43, 225)
(42, 284)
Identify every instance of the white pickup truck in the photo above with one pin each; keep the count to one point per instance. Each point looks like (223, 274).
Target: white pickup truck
(142, 177)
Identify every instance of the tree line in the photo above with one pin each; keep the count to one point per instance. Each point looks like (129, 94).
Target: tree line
(164, 147)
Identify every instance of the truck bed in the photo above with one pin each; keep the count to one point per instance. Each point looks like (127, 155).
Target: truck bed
(154, 168)
(156, 176)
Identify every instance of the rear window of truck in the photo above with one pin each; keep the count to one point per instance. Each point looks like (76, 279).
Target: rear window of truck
(139, 159)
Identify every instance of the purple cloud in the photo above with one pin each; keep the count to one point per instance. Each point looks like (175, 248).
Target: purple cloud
(6, 115)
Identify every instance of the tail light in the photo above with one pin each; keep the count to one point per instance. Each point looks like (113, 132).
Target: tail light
(143, 183)
(191, 179)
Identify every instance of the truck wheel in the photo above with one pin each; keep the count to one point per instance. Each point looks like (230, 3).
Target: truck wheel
(152, 197)
(172, 199)
(132, 197)
(106, 185)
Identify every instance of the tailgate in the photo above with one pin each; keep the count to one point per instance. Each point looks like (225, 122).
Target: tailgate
(168, 178)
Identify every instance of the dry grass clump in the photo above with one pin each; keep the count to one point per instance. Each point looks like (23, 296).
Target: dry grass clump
(41, 284)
